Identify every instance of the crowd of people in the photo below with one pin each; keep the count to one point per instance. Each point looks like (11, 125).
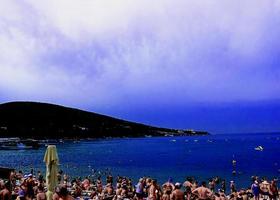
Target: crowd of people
(33, 186)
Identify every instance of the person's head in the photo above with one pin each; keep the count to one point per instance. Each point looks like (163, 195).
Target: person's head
(57, 189)
(189, 179)
(241, 192)
(124, 181)
(109, 179)
(177, 185)
(1, 184)
(40, 188)
(7, 185)
(221, 191)
(203, 184)
(141, 180)
(63, 192)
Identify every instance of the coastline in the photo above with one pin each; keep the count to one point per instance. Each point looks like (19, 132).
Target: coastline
(160, 157)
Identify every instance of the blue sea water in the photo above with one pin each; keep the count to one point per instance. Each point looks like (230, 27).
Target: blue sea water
(202, 157)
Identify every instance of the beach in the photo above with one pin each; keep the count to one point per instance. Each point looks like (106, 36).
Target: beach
(34, 186)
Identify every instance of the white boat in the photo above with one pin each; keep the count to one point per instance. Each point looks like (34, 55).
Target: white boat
(259, 148)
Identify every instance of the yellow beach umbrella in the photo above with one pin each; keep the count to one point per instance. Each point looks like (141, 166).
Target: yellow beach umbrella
(51, 160)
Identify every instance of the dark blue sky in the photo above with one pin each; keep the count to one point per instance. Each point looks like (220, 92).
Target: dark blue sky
(207, 65)
(216, 118)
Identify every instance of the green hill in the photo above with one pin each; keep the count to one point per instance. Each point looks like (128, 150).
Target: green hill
(42, 120)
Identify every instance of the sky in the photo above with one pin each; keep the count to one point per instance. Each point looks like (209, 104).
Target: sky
(205, 64)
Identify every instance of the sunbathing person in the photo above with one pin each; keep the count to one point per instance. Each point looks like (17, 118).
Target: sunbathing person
(202, 192)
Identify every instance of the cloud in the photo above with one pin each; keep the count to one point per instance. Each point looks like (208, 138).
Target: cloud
(108, 53)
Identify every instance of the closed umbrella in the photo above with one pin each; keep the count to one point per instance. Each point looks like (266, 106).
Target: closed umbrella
(51, 160)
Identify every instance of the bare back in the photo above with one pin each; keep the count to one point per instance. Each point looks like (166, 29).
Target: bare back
(203, 192)
(177, 195)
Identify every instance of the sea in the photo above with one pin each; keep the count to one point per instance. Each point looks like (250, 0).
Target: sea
(228, 156)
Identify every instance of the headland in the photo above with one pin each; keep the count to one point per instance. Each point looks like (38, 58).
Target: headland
(41, 120)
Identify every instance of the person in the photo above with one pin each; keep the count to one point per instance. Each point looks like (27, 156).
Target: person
(223, 186)
(118, 191)
(139, 192)
(188, 187)
(59, 176)
(264, 189)
(41, 194)
(56, 193)
(124, 191)
(109, 179)
(108, 192)
(94, 195)
(159, 191)
(203, 192)
(232, 187)
(99, 185)
(130, 188)
(240, 195)
(40, 177)
(13, 178)
(19, 175)
(86, 183)
(77, 191)
(152, 190)
(212, 185)
(65, 178)
(5, 194)
(165, 196)
(168, 186)
(273, 190)
(222, 195)
(30, 184)
(64, 195)
(177, 194)
(255, 189)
